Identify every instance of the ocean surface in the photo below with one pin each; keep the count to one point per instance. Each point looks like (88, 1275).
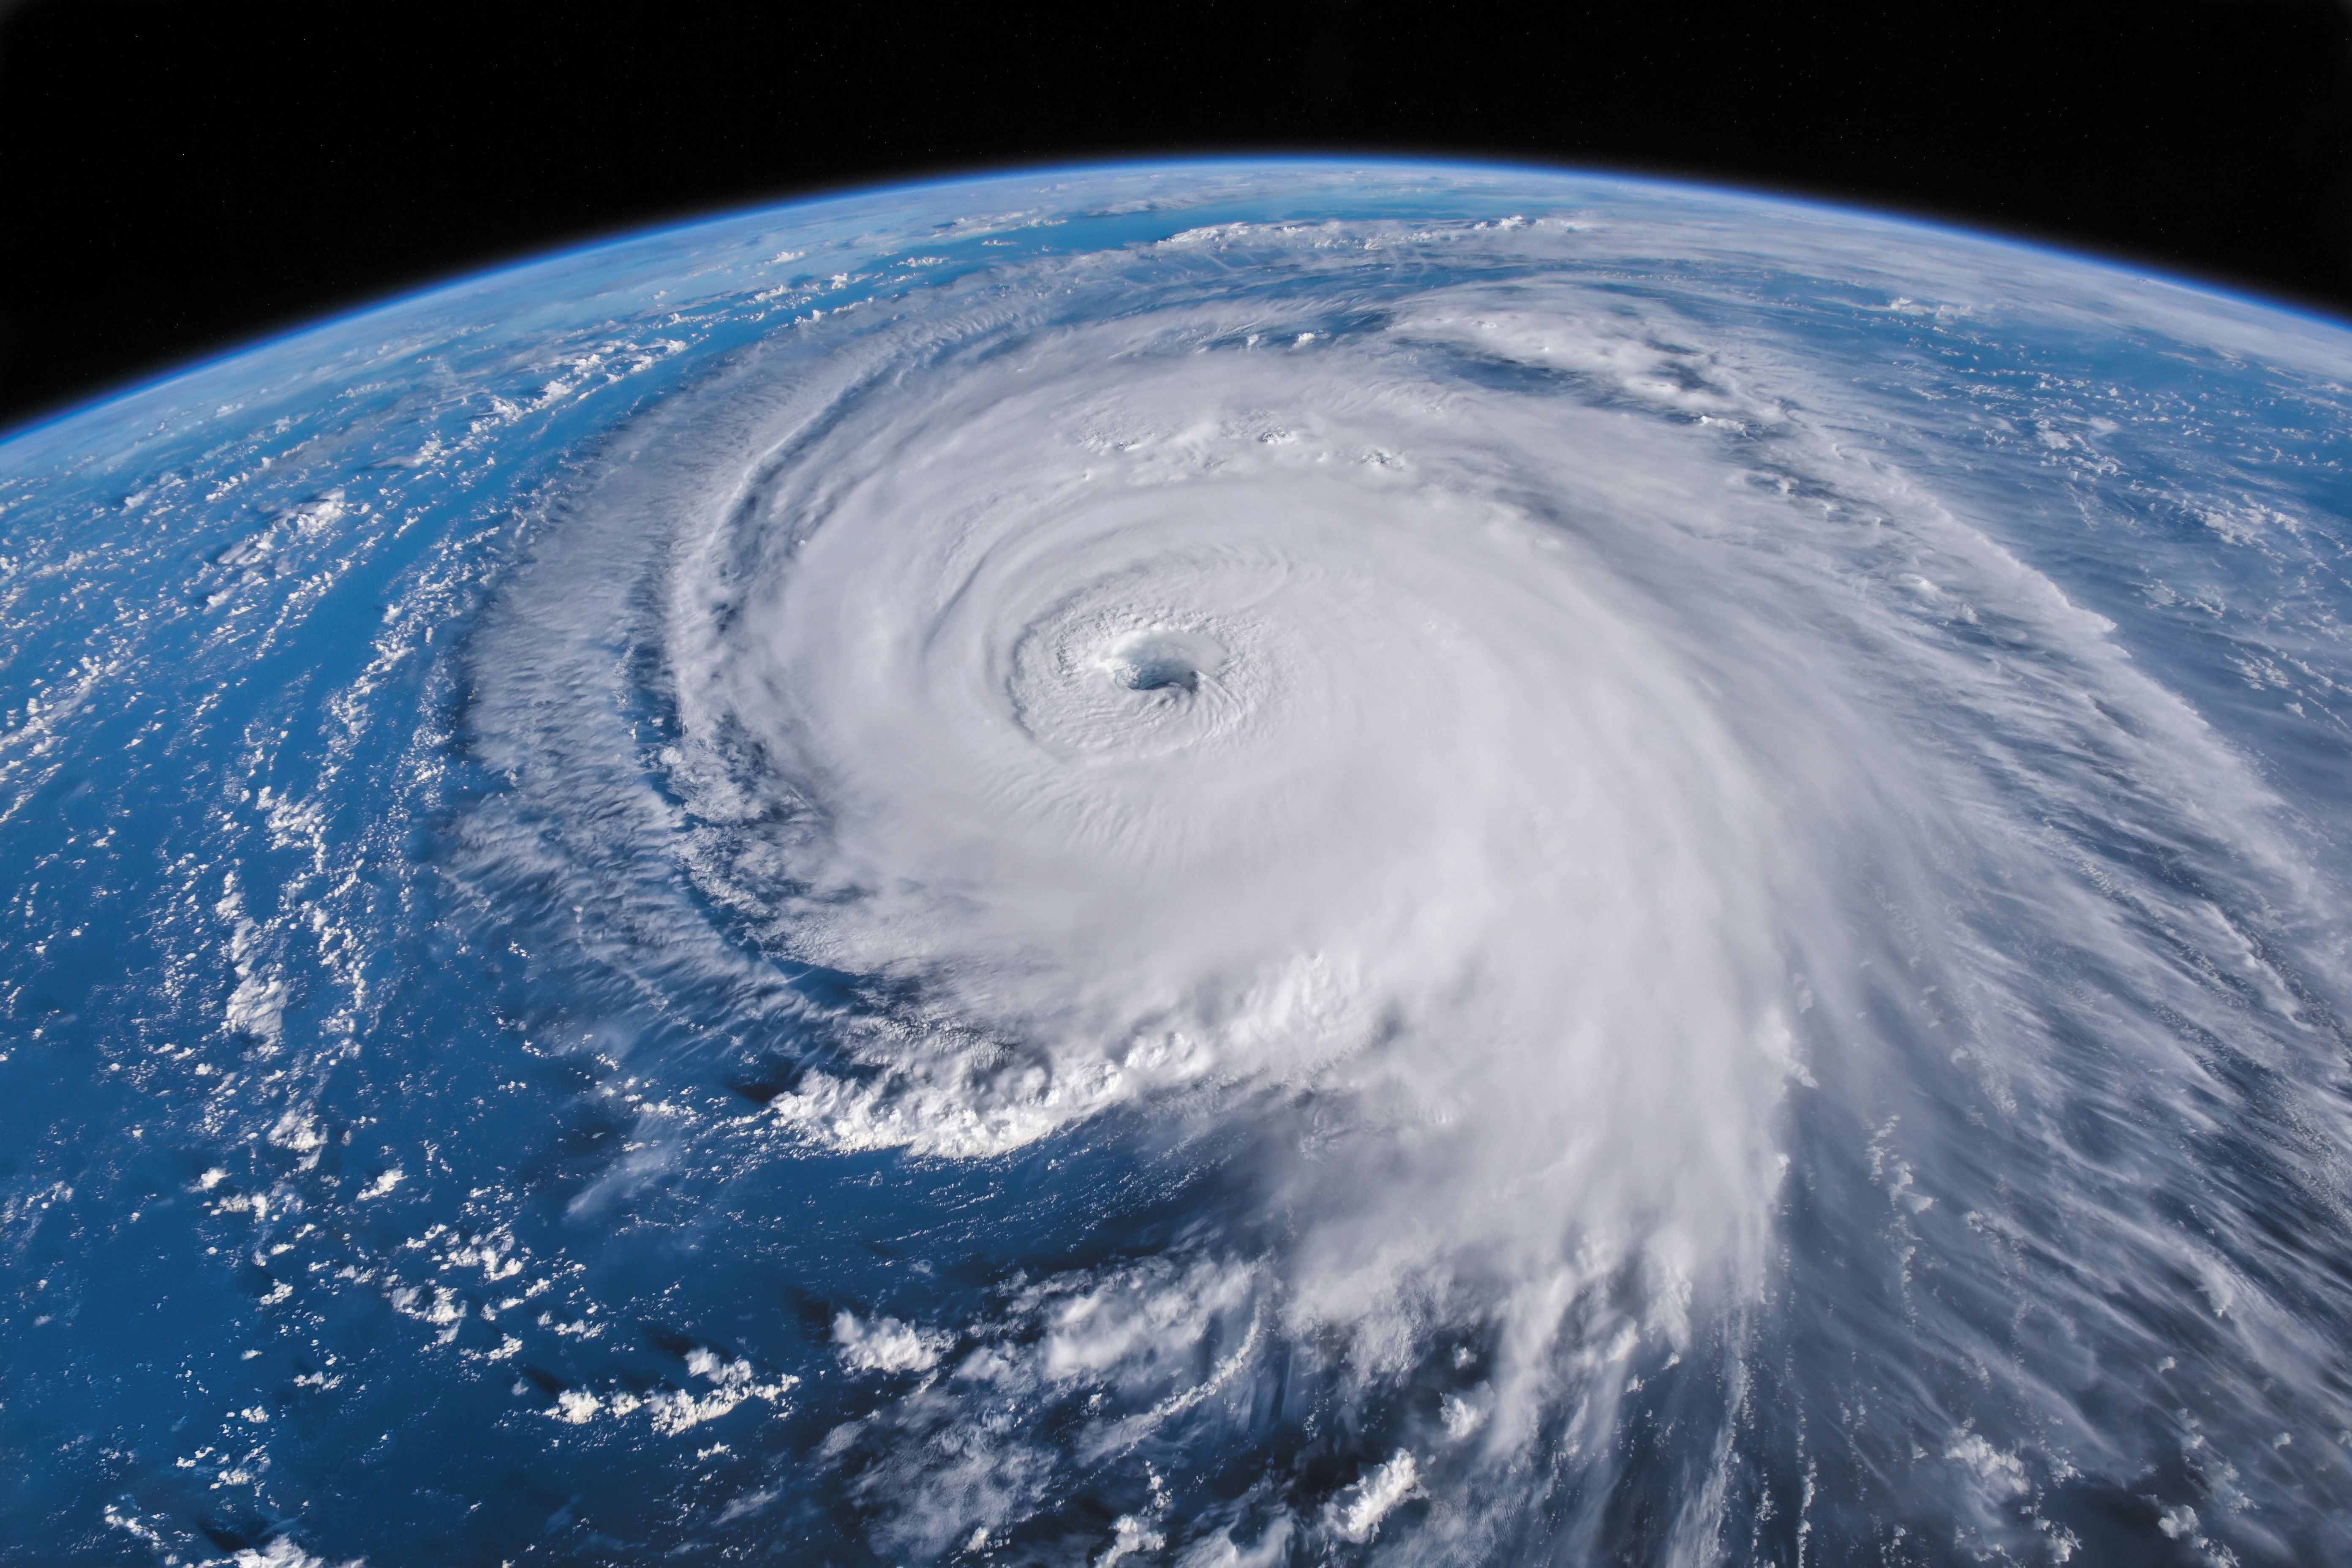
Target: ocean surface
(1214, 864)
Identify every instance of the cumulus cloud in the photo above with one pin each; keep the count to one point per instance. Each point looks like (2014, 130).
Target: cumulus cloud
(885, 1344)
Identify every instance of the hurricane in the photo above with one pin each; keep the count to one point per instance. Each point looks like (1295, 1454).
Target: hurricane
(1229, 864)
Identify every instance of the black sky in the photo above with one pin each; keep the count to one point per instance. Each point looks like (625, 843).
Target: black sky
(176, 176)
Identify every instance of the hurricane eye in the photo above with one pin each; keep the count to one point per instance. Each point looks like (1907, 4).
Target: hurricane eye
(1151, 673)
(1163, 661)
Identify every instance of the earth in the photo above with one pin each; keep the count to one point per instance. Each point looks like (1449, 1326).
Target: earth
(1223, 863)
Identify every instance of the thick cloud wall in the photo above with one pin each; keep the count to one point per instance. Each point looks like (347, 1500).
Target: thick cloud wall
(1591, 874)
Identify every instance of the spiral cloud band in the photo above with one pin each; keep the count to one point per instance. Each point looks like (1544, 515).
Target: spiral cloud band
(1260, 864)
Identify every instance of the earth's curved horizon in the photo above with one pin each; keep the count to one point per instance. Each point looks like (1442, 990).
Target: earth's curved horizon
(169, 369)
(1231, 862)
